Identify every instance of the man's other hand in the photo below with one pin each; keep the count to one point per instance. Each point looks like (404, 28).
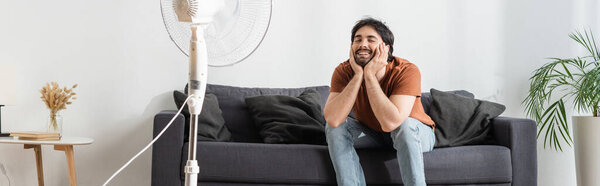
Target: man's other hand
(379, 61)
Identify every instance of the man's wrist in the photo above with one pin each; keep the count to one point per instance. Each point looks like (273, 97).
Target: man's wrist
(369, 76)
(358, 74)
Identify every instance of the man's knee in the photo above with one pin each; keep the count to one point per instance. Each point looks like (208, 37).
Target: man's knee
(406, 132)
(336, 133)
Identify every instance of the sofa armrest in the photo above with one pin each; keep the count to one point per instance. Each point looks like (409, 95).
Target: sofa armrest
(167, 151)
(519, 135)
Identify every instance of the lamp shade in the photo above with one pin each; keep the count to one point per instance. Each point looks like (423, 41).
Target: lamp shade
(8, 85)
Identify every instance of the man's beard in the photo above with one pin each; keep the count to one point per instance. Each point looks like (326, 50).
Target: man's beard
(363, 61)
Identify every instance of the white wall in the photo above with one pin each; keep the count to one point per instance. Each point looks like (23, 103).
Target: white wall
(126, 67)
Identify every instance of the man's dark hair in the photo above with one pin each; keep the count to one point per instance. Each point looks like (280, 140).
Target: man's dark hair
(386, 34)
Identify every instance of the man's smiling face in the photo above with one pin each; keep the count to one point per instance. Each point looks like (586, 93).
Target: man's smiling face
(365, 41)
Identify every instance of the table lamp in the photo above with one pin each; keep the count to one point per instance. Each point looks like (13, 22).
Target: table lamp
(8, 91)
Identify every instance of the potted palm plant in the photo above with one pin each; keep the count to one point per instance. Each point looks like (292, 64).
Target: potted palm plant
(577, 81)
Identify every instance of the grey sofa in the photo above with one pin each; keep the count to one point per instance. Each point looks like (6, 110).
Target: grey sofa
(247, 161)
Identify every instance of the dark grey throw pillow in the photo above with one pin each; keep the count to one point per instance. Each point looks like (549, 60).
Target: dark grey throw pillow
(286, 119)
(461, 120)
(211, 125)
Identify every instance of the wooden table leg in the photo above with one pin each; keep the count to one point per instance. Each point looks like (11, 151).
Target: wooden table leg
(70, 161)
(38, 162)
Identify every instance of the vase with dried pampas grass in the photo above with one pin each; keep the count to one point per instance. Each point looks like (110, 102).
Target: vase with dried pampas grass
(56, 99)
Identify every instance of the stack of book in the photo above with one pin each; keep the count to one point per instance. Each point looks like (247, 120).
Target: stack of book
(36, 136)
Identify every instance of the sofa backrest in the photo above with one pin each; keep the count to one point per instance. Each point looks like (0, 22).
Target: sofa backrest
(239, 121)
(235, 112)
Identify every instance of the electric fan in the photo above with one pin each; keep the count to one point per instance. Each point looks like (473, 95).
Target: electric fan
(235, 32)
(211, 32)
(220, 33)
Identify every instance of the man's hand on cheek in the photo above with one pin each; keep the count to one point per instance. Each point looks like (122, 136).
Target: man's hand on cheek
(358, 70)
(379, 61)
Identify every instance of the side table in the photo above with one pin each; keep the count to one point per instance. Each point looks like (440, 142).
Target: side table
(64, 144)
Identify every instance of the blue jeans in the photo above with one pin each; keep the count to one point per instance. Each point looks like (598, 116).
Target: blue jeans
(410, 140)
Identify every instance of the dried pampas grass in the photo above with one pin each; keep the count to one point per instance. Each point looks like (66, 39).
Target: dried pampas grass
(57, 99)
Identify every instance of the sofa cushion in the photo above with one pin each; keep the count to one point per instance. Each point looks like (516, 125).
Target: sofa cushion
(287, 119)
(310, 164)
(211, 125)
(478, 164)
(462, 121)
(235, 112)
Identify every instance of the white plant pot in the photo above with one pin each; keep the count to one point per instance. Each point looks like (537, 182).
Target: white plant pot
(586, 133)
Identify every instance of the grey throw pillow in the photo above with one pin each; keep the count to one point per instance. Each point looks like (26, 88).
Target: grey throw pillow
(461, 120)
(286, 119)
(211, 125)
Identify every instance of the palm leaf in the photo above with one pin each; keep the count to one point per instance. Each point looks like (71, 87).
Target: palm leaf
(563, 123)
(576, 79)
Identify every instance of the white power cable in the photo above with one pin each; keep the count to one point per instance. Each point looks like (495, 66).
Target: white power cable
(3, 170)
(150, 144)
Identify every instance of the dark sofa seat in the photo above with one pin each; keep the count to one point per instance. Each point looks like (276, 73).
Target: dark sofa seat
(249, 162)
(310, 164)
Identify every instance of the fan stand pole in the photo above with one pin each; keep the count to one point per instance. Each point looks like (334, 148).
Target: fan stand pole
(196, 89)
